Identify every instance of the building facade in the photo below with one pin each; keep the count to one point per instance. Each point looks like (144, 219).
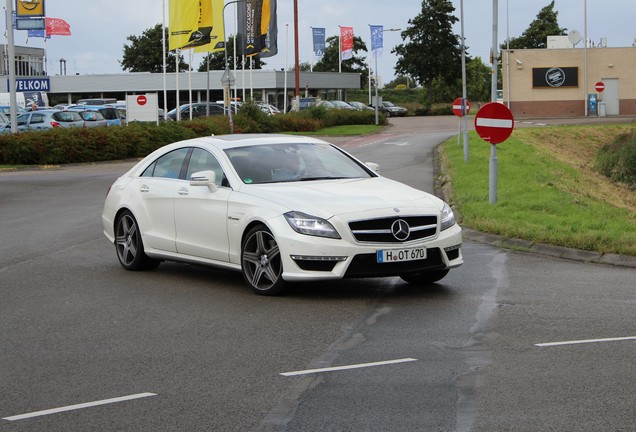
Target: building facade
(552, 82)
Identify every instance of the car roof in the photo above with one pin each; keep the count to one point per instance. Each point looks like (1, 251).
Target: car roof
(223, 142)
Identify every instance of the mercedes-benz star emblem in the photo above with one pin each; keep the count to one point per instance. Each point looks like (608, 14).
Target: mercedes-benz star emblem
(400, 230)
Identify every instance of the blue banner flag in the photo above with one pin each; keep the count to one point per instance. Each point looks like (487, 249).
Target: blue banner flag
(319, 41)
(377, 39)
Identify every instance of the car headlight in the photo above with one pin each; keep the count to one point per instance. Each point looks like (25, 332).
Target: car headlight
(311, 225)
(448, 218)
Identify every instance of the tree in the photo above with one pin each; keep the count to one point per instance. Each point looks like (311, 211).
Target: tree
(433, 52)
(144, 53)
(536, 35)
(329, 60)
(217, 59)
(478, 80)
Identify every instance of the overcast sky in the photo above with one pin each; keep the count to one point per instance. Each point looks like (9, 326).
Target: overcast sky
(100, 27)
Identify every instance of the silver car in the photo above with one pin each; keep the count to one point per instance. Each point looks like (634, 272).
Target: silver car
(49, 119)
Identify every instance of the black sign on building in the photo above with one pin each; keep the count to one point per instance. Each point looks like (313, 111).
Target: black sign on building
(555, 77)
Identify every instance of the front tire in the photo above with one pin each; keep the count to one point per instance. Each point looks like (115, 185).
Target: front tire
(261, 262)
(424, 278)
(129, 245)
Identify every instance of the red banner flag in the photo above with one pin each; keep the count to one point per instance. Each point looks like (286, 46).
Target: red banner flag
(57, 27)
(346, 43)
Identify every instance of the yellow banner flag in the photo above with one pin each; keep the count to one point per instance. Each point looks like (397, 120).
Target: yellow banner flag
(190, 23)
(212, 13)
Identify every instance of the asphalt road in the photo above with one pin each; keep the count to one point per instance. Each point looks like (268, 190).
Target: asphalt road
(185, 348)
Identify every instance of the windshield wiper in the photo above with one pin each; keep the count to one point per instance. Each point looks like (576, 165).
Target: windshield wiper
(323, 178)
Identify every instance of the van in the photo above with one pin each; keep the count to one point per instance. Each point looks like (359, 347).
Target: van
(97, 101)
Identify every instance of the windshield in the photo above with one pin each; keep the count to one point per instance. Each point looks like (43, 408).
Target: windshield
(293, 162)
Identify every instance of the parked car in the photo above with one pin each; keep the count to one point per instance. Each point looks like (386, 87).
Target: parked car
(199, 109)
(360, 106)
(48, 119)
(391, 110)
(269, 109)
(338, 104)
(93, 119)
(96, 101)
(111, 114)
(6, 110)
(277, 208)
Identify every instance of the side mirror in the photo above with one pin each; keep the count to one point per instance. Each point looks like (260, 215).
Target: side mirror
(373, 166)
(204, 178)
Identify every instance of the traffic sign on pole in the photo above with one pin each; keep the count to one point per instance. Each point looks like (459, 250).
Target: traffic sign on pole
(457, 107)
(494, 123)
(600, 86)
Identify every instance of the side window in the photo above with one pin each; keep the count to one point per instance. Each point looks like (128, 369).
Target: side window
(22, 120)
(202, 160)
(169, 165)
(37, 118)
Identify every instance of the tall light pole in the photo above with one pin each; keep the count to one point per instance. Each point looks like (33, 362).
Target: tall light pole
(296, 61)
(585, 54)
(464, 118)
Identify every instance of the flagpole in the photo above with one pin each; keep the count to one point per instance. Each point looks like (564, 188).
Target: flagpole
(163, 55)
(190, 81)
(297, 66)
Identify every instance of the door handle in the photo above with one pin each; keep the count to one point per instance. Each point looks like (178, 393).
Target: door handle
(144, 188)
(183, 191)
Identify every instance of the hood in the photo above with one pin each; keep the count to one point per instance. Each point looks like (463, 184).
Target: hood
(327, 198)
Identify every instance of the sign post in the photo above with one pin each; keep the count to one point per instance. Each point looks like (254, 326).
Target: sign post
(494, 124)
(461, 108)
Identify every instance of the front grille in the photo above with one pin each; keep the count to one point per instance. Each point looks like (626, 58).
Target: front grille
(366, 265)
(379, 230)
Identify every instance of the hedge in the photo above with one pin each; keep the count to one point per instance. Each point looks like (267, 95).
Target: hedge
(74, 145)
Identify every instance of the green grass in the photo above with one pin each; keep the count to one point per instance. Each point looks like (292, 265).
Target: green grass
(344, 130)
(539, 198)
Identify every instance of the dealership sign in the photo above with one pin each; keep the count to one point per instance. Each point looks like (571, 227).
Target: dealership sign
(31, 84)
(555, 77)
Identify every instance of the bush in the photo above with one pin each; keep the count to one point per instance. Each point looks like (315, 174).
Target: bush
(617, 160)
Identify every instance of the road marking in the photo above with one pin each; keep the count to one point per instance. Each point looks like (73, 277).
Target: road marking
(399, 144)
(576, 342)
(356, 366)
(78, 406)
(496, 123)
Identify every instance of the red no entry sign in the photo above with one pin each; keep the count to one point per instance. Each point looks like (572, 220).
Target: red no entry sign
(141, 100)
(457, 107)
(494, 123)
(600, 86)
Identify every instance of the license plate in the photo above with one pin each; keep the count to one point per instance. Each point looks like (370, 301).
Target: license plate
(401, 255)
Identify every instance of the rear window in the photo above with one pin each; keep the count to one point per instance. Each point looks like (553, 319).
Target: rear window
(67, 116)
(109, 113)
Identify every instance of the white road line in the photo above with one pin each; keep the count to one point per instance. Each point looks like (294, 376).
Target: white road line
(491, 122)
(576, 342)
(356, 366)
(78, 406)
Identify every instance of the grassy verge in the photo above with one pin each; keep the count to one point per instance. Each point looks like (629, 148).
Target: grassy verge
(548, 191)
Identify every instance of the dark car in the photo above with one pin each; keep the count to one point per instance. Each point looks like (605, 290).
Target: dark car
(391, 110)
(199, 109)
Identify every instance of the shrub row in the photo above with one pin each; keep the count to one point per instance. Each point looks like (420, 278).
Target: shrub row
(61, 146)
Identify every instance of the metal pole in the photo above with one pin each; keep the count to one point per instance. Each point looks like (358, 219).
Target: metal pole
(163, 55)
(585, 53)
(286, 67)
(227, 67)
(297, 64)
(464, 119)
(493, 148)
(492, 184)
(377, 103)
(10, 41)
(508, 52)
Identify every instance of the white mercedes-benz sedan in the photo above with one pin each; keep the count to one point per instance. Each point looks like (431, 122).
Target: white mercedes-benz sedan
(277, 208)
